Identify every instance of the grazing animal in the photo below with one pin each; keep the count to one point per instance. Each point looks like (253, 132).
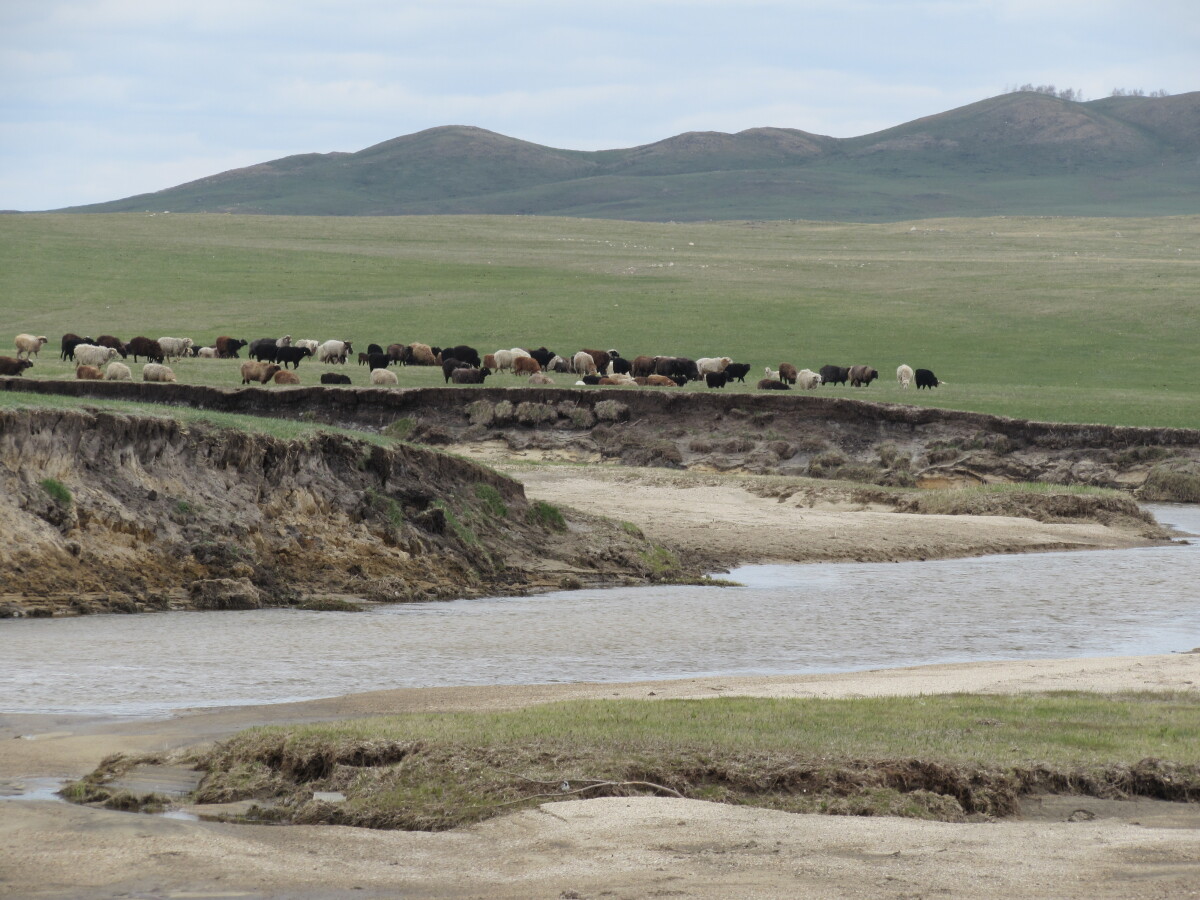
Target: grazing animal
(10, 365)
(69, 342)
(469, 376)
(371, 348)
(861, 376)
(88, 373)
(584, 363)
(144, 346)
(787, 373)
(378, 360)
(263, 349)
(91, 355)
(262, 372)
(469, 355)
(738, 371)
(285, 377)
(772, 384)
(30, 344)
(290, 354)
(677, 367)
(716, 379)
(383, 376)
(117, 372)
(227, 347)
(174, 348)
(661, 381)
(708, 364)
(108, 340)
(643, 366)
(602, 359)
(364, 358)
(421, 355)
(207, 353)
(621, 366)
(335, 378)
(834, 374)
(926, 379)
(489, 360)
(399, 353)
(450, 365)
(156, 372)
(808, 379)
(540, 378)
(314, 345)
(558, 364)
(334, 351)
(904, 375)
(526, 365)
(543, 356)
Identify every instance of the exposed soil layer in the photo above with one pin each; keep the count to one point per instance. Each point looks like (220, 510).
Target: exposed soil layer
(768, 433)
(101, 512)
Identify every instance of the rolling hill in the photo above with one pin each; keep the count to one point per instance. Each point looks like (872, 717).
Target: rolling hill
(1020, 153)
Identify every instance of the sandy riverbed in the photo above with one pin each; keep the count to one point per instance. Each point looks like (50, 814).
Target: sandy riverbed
(630, 847)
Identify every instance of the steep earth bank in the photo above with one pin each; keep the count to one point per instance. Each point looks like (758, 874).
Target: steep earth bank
(103, 512)
(769, 433)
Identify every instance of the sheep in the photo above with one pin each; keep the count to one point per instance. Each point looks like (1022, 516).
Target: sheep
(70, 341)
(540, 378)
(334, 351)
(602, 359)
(173, 348)
(88, 373)
(737, 371)
(143, 346)
(285, 377)
(772, 384)
(489, 361)
(808, 379)
(584, 363)
(558, 364)
(157, 372)
(904, 375)
(787, 373)
(108, 340)
(469, 376)
(716, 379)
(708, 364)
(383, 376)
(227, 347)
(421, 355)
(862, 376)
(312, 345)
(29, 344)
(661, 381)
(335, 378)
(771, 374)
(285, 341)
(525, 365)
(926, 379)
(91, 355)
(11, 366)
(117, 372)
(207, 353)
(258, 371)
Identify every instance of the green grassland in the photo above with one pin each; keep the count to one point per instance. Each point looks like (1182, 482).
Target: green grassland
(1058, 319)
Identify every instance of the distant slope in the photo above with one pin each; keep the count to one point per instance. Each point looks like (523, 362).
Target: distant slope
(1019, 153)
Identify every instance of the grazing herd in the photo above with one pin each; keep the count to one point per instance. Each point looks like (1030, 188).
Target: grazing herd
(275, 360)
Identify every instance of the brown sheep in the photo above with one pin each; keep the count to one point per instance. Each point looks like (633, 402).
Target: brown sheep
(787, 373)
(525, 365)
(421, 355)
(285, 377)
(258, 371)
(88, 373)
(12, 366)
(489, 361)
(660, 381)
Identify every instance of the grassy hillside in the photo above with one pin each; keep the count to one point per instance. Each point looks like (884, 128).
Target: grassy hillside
(1081, 320)
(1017, 154)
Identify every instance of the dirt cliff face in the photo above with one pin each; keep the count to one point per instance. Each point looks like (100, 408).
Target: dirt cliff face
(766, 433)
(107, 512)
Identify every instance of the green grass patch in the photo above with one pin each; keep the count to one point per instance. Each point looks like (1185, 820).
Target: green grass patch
(547, 515)
(1020, 316)
(936, 757)
(493, 503)
(58, 491)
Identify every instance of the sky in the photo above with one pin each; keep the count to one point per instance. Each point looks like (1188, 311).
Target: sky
(104, 99)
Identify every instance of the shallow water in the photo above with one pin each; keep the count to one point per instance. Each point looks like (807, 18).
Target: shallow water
(831, 617)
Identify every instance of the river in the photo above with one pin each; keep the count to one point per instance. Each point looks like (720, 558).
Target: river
(833, 617)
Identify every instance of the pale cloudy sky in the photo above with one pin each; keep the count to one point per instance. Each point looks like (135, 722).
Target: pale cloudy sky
(102, 99)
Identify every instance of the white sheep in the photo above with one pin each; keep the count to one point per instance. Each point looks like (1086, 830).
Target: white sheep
(207, 353)
(584, 363)
(117, 372)
(808, 379)
(771, 374)
(29, 344)
(156, 372)
(383, 376)
(713, 364)
(285, 341)
(91, 355)
(904, 375)
(333, 351)
(504, 360)
(174, 348)
(312, 345)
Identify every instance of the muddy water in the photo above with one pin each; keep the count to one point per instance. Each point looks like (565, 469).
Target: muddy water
(786, 619)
